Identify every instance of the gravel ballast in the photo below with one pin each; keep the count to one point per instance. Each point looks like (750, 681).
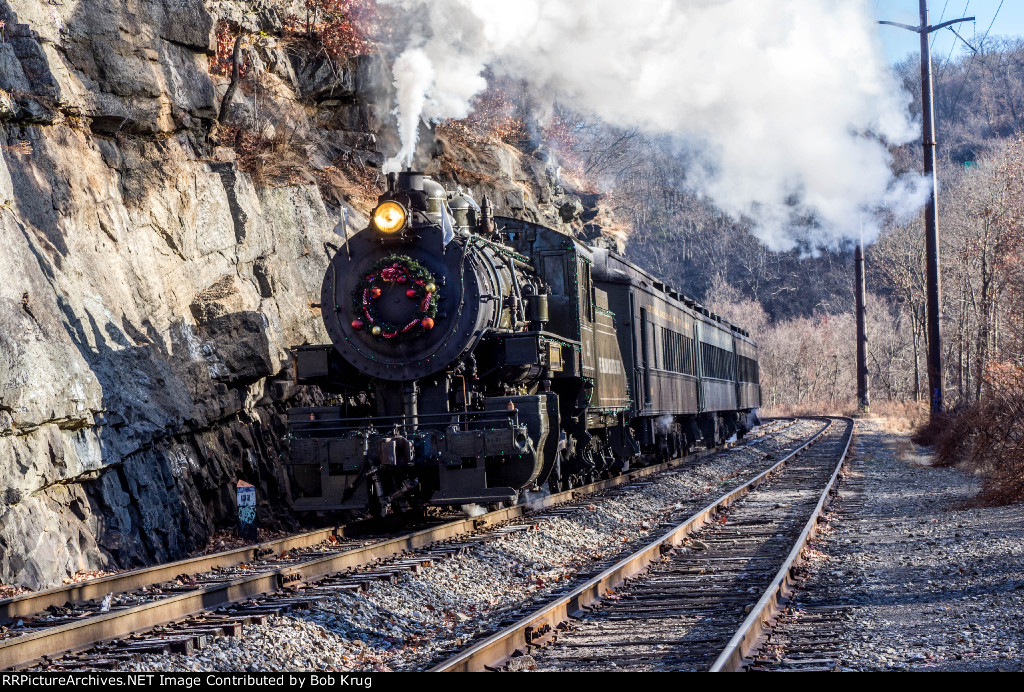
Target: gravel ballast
(410, 624)
(929, 581)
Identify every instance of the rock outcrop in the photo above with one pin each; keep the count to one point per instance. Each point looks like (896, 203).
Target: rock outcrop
(149, 292)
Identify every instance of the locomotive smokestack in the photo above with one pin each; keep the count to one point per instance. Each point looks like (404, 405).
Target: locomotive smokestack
(410, 180)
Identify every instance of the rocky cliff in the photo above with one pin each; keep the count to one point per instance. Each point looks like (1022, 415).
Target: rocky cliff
(156, 265)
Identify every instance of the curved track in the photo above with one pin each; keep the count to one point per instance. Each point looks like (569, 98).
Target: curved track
(679, 603)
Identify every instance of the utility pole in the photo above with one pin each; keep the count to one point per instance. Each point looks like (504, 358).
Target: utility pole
(863, 401)
(931, 219)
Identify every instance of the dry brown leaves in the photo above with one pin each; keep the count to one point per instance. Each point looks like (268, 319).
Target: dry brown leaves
(227, 539)
(342, 28)
(349, 181)
(280, 159)
(85, 575)
(12, 591)
(221, 62)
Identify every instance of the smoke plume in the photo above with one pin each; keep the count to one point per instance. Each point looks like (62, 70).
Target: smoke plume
(784, 108)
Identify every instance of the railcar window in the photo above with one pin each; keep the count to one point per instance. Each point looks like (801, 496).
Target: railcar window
(719, 364)
(657, 350)
(748, 371)
(586, 290)
(678, 352)
(646, 347)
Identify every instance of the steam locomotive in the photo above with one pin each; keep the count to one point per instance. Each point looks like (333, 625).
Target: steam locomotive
(476, 357)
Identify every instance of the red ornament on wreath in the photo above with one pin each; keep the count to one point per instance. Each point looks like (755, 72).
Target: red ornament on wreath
(422, 290)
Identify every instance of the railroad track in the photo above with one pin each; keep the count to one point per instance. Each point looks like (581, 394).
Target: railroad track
(804, 636)
(178, 606)
(698, 596)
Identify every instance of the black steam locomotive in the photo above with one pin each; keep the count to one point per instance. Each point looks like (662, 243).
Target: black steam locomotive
(475, 357)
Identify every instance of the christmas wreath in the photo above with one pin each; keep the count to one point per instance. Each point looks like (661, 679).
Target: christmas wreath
(421, 288)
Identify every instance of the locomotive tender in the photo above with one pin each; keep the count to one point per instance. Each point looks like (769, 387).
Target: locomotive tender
(475, 357)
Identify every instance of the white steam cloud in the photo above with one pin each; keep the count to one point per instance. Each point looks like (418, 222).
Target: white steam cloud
(414, 77)
(784, 107)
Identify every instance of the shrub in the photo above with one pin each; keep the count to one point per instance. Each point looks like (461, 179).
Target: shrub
(988, 437)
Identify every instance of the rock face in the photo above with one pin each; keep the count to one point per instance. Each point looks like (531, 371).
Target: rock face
(151, 284)
(148, 293)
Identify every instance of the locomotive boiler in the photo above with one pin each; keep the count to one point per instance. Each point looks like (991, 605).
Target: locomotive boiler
(475, 357)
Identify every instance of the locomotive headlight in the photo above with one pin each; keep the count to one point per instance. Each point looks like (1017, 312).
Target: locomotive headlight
(389, 217)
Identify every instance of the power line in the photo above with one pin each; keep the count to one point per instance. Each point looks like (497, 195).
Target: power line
(963, 81)
(994, 18)
(970, 63)
(941, 17)
(953, 47)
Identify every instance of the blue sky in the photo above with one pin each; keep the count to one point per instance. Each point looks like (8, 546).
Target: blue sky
(899, 42)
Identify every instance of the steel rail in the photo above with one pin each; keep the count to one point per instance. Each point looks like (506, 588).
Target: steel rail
(38, 601)
(20, 650)
(735, 653)
(536, 628)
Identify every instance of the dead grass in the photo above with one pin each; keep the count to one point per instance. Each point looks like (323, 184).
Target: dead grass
(462, 160)
(24, 147)
(892, 416)
(810, 408)
(466, 134)
(282, 158)
(900, 416)
(351, 182)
